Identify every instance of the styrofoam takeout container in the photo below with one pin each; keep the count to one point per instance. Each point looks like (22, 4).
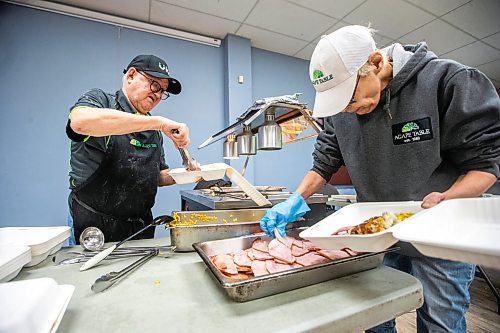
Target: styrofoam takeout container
(321, 233)
(33, 306)
(466, 230)
(43, 241)
(208, 172)
(218, 171)
(12, 260)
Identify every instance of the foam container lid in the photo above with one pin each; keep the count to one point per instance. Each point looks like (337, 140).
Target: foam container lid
(40, 239)
(33, 306)
(465, 230)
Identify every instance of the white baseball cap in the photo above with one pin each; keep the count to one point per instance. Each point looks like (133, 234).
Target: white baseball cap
(334, 66)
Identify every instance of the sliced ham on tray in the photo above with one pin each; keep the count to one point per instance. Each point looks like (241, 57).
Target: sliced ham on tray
(280, 251)
(333, 254)
(225, 263)
(259, 268)
(241, 259)
(273, 267)
(311, 258)
(260, 245)
(259, 255)
(280, 254)
(298, 251)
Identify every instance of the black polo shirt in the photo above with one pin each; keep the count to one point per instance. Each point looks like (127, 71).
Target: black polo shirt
(87, 152)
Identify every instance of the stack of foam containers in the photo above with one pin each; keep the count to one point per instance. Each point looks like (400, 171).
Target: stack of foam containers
(28, 246)
(12, 259)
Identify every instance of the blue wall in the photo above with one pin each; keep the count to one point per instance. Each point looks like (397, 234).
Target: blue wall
(48, 60)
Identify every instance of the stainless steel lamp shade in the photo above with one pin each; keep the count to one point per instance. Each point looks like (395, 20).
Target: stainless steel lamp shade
(247, 142)
(269, 135)
(230, 148)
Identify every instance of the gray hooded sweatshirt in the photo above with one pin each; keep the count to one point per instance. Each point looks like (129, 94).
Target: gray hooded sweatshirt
(436, 120)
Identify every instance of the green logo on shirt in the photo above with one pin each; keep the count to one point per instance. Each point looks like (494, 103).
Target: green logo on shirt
(409, 127)
(137, 143)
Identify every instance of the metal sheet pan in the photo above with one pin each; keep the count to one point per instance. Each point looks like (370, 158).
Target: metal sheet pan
(219, 224)
(266, 285)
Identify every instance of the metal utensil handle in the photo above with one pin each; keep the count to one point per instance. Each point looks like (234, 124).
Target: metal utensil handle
(109, 279)
(136, 264)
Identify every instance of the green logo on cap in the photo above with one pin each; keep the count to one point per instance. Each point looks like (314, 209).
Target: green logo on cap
(409, 127)
(317, 74)
(319, 77)
(137, 143)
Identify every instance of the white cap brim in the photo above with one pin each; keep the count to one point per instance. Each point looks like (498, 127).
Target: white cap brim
(334, 100)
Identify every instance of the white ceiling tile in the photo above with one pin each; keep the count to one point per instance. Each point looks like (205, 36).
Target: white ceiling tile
(491, 69)
(391, 18)
(381, 41)
(176, 17)
(271, 41)
(229, 9)
(336, 9)
(440, 37)
(439, 7)
(474, 54)
(289, 19)
(306, 52)
(493, 40)
(478, 17)
(137, 10)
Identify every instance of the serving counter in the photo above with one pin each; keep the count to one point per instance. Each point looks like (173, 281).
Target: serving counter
(179, 294)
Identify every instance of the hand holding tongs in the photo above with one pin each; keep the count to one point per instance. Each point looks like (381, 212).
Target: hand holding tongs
(109, 279)
(187, 160)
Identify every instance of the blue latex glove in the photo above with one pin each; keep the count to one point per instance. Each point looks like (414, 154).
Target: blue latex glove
(283, 213)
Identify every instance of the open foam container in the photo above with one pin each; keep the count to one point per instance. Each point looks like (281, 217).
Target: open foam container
(466, 230)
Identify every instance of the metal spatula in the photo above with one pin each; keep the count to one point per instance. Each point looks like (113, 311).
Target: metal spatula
(103, 254)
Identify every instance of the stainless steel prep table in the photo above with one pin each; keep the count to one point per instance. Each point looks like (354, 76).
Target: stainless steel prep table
(179, 294)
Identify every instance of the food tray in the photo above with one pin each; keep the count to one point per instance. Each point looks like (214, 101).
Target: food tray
(321, 233)
(217, 224)
(466, 230)
(266, 285)
(207, 172)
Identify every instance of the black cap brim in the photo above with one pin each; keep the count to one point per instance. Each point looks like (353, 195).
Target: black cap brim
(174, 86)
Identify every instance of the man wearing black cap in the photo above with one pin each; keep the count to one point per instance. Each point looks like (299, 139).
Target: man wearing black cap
(117, 159)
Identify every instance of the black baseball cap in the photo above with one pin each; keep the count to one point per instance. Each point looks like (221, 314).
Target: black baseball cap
(156, 67)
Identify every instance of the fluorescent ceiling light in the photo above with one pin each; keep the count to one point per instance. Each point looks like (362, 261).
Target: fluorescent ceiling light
(115, 20)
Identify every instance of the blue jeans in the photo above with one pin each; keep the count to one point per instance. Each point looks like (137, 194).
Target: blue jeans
(72, 236)
(446, 293)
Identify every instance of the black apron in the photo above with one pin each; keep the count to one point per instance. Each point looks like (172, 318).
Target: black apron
(119, 196)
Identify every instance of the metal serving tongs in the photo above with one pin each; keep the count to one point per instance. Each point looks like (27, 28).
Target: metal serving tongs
(187, 160)
(104, 253)
(109, 279)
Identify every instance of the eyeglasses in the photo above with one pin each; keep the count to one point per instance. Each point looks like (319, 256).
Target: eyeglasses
(352, 101)
(156, 87)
